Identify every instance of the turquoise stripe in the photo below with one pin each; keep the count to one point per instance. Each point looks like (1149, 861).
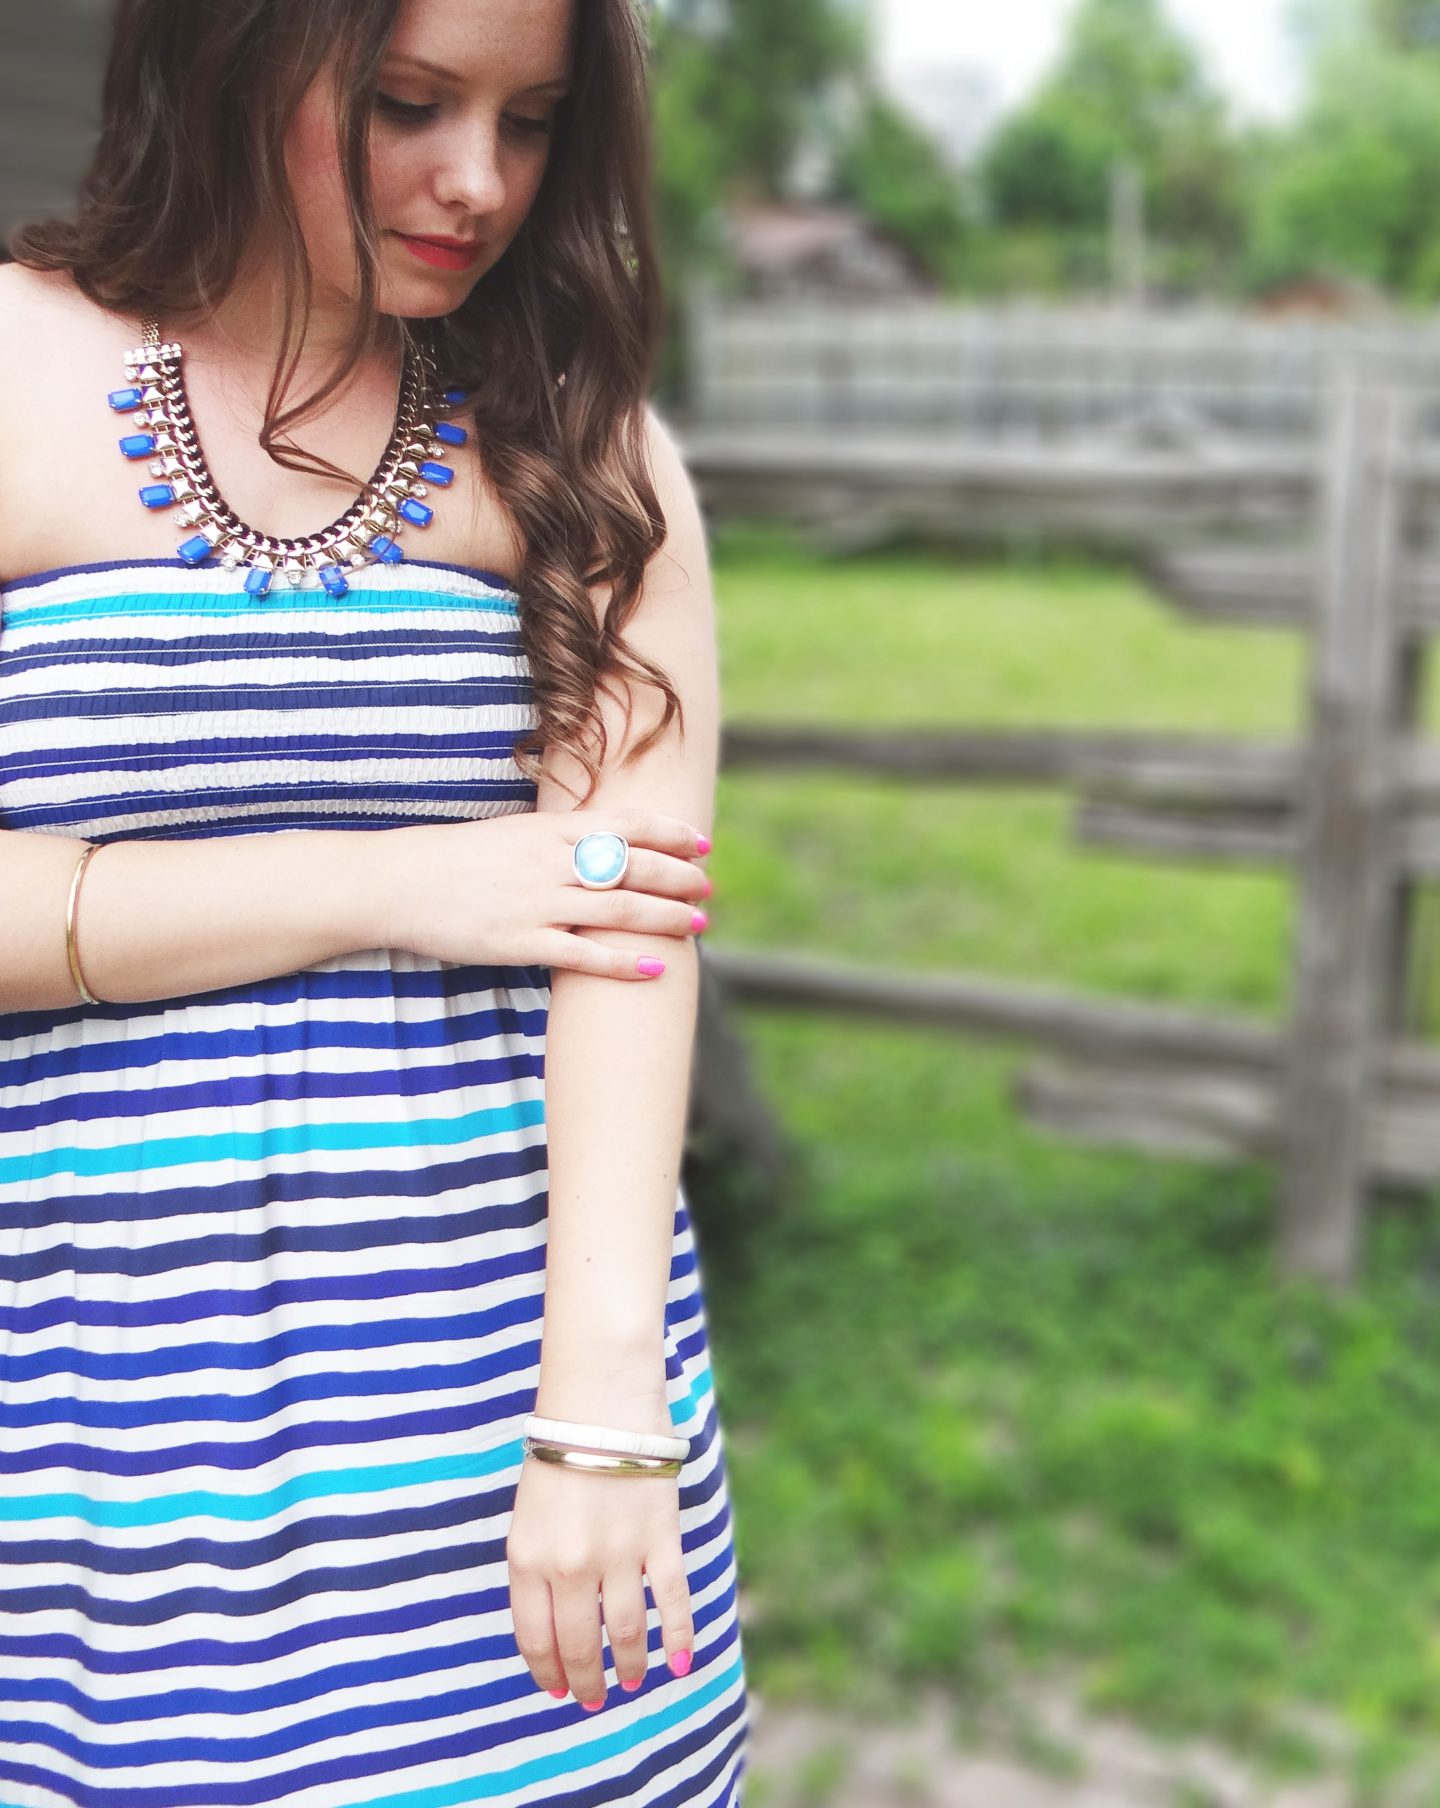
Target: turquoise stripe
(198, 605)
(165, 1509)
(688, 1407)
(688, 1705)
(278, 1139)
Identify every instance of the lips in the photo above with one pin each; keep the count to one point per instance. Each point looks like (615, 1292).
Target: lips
(445, 254)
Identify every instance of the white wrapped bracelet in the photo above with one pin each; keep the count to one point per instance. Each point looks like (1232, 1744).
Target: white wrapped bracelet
(602, 1437)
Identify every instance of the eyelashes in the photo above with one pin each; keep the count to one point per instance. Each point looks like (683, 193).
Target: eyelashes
(411, 113)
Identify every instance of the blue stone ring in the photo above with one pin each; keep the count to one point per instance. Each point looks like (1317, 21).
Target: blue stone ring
(601, 860)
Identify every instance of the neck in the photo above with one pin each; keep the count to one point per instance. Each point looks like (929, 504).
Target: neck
(247, 328)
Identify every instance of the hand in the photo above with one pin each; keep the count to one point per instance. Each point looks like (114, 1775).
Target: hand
(503, 892)
(579, 1549)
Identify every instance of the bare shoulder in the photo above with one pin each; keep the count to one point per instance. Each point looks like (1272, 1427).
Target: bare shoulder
(683, 561)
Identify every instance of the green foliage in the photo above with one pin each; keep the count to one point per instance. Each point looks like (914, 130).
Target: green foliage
(1352, 188)
(1129, 90)
(998, 1407)
(890, 169)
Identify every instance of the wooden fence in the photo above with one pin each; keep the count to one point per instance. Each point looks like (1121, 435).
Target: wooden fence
(1330, 539)
(1021, 373)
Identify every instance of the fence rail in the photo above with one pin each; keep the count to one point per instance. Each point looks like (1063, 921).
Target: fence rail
(1330, 538)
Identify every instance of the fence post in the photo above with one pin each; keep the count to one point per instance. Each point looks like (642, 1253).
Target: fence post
(1347, 879)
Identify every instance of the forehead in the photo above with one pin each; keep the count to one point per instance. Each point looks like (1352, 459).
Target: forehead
(480, 42)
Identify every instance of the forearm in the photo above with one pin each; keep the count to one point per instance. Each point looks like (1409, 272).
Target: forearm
(617, 1074)
(164, 919)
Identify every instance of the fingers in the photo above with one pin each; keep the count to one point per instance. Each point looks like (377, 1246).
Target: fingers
(577, 1633)
(530, 1608)
(578, 954)
(635, 910)
(622, 1599)
(670, 1587)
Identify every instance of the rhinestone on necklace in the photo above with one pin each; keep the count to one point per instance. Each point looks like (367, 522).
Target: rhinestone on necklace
(365, 534)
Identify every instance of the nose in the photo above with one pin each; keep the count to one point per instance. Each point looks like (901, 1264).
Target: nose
(469, 178)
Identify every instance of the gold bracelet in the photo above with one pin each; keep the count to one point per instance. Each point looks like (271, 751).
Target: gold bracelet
(600, 1465)
(71, 949)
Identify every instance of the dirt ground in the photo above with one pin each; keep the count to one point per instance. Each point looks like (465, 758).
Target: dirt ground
(800, 1758)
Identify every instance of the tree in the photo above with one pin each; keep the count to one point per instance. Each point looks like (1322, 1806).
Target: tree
(890, 169)
(1129, 89)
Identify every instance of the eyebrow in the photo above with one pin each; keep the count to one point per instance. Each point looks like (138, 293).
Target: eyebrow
(559, 83)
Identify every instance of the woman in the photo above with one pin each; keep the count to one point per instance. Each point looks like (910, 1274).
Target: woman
(353, 1382)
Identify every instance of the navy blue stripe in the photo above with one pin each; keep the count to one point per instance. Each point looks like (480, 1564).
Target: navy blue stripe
(383, 635)
(334, 1628)
(479, 690)
(358, 1576)
(392, 1284)
(282, 1345)
(312, 1434)
(443, 1079)
(238, 1250)
(384, 985)
(257, 1191)
(265, 1403)
(83, 816)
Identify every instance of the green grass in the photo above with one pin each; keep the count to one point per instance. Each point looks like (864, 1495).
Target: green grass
(998, 1405)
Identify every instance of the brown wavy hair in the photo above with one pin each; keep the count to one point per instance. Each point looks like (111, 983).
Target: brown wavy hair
(556, 344)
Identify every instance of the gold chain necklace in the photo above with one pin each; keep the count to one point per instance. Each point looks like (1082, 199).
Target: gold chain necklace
(365, 534)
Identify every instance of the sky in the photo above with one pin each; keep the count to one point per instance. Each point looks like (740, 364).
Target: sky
(1244, 42)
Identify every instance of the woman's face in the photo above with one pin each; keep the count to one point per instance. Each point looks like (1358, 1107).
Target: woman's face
(459, 143)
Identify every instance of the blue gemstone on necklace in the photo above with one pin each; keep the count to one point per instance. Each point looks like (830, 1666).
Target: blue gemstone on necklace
(123, 400)
(157, 495)
(433, 473)
(449, 434)
(138, 445)
(196, 550)
(334, 580)
(258, 581)
(415, 511)
(454, 395)
(385, 548)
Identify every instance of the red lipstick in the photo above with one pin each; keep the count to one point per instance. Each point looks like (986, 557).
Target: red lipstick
(444, 254)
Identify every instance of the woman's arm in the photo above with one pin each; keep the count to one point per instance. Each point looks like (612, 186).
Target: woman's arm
(617, 1065)
(617, 1070)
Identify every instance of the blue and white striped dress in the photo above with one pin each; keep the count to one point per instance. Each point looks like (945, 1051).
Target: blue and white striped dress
(272, 1258)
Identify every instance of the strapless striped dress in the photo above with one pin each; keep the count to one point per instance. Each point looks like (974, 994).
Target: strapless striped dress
(272, 1258)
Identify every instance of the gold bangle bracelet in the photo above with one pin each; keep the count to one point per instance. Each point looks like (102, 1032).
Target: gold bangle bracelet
(71, 948)
(601, 1465)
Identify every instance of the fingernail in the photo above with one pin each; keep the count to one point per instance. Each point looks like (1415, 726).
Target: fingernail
(559, 1694)
(699, 921)
(709, 886)
(649, 966)
(703, 844)
(680, 1663)
(630, 1687)
(590, 1706)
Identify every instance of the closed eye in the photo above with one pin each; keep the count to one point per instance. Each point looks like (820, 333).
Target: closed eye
(407, 111)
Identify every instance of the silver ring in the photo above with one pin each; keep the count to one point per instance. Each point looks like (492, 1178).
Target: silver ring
(601, 860)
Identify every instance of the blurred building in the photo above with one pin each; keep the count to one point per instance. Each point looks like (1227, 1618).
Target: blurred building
(816, 249)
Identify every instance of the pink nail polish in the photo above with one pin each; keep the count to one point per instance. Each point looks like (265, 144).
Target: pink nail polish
(559, 1694)
(699, 921)
(703, 844)
(649, 966)
(680, 1663)
(590, 1706)
(630, 1687)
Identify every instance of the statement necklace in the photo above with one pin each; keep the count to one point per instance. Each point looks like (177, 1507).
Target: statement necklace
(365, 534)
